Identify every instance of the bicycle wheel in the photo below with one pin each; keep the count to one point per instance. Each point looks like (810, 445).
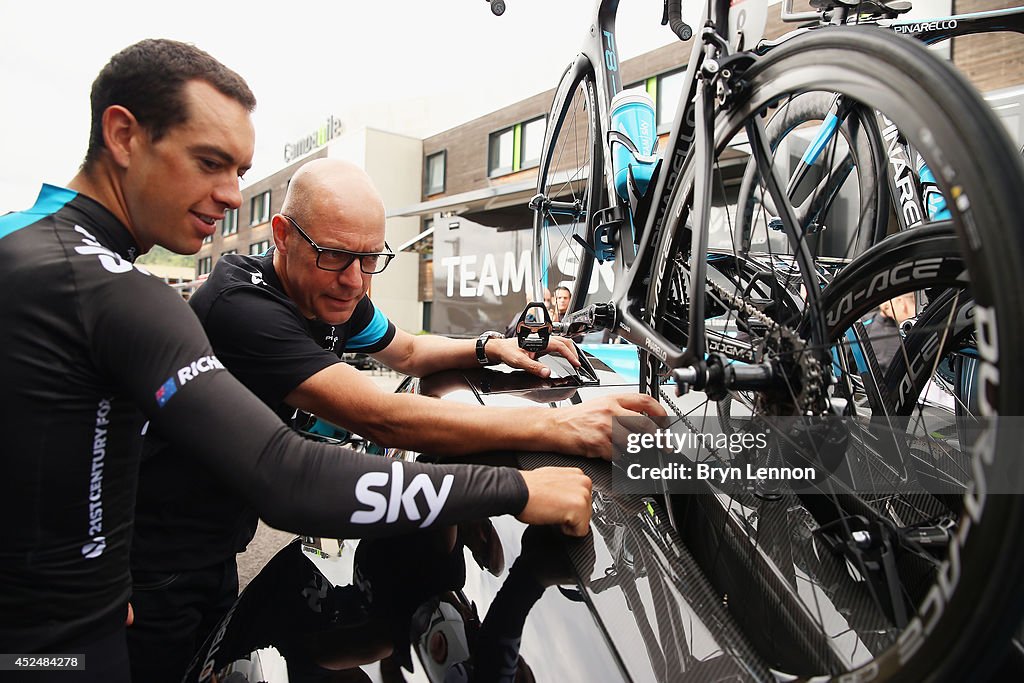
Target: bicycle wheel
(813, 601)
(836, 157)
(570, 188)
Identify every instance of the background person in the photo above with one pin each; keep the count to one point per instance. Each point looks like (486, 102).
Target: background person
(883, 327)
(96, 351)
(563, 297)
(280, 323)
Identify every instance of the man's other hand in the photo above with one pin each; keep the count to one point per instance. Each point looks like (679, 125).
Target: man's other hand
(586, 429)
(558, 495)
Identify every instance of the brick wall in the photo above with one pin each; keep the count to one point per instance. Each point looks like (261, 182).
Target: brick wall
(991, 61)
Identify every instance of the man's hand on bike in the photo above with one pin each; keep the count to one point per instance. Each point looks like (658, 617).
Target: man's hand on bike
(508, 352)
(558, 495)
(586, 429)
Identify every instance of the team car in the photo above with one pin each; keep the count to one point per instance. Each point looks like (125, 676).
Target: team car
(496, 600)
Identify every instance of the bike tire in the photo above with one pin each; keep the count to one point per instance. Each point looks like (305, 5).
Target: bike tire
(571, 152)
(969, 619)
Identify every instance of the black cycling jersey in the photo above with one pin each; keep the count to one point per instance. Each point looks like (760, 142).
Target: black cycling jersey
(186, 517)
(92, 347)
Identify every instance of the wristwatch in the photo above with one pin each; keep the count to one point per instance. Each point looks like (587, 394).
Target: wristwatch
(481, 343)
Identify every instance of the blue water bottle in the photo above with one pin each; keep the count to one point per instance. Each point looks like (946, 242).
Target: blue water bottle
(633, 139)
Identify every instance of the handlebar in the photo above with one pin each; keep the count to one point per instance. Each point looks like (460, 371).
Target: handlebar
(673, 16)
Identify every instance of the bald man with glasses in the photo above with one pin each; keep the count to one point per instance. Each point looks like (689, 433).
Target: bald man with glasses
(280, 322)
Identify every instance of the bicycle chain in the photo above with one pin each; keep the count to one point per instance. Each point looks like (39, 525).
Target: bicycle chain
(712, 450)
(811, 400)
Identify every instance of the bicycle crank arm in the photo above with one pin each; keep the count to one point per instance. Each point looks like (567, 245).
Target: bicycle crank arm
(593, 317)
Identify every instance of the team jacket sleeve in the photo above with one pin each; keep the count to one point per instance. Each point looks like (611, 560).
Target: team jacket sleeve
(159, 355)
(371, 330)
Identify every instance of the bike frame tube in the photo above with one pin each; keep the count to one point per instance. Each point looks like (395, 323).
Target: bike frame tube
(932, 31)
(901, 174)
(691, 146)
(928, 31)
(677, 173)
(705, 152)
(602, 51)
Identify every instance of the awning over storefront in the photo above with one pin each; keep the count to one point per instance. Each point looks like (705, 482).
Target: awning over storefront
(475, 200)
(415, 240)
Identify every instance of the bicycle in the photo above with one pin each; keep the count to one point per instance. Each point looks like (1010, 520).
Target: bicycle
(879, 145)
(759, 329)
(908, 199)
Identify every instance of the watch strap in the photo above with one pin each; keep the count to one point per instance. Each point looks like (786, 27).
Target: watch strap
(481, 347)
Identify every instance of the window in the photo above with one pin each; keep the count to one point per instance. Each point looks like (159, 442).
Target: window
(434, 173)
(259, 208)
(499, 155)
(532, 142)
(257, 248)
(516, 147)
(639, 87)
(208, 239)
(229, 226)
(204, 265)
(669, 89)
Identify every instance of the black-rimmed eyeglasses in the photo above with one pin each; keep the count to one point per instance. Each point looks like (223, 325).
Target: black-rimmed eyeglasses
(337, 260)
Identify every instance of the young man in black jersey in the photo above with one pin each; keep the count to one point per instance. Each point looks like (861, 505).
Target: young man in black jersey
(280, 322)
(97, 352)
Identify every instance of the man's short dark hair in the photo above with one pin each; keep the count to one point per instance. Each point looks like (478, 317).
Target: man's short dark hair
(148, 78)
(567, 290)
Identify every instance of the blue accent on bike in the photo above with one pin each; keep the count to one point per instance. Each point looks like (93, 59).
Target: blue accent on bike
(51, 199)
(324, 428)
(825, 132)
(371, 334)
(858, 353)
(859, 361)
(544, 257)
(622, 358)
(934, 200)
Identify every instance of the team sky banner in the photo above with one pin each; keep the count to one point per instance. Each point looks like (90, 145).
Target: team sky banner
(483, 276)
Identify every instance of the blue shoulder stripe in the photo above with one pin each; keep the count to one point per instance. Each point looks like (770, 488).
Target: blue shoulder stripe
(51, 199)
(371, 334)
